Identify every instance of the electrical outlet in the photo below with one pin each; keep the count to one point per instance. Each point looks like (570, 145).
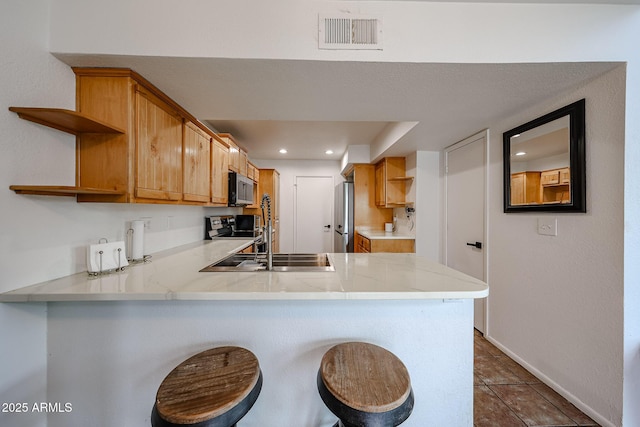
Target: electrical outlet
(548, 226)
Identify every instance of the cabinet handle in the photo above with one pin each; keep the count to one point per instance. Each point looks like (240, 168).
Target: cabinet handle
(476, 244)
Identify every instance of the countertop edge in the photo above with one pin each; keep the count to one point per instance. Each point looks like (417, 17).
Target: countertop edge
(242, 296)
(382, 235)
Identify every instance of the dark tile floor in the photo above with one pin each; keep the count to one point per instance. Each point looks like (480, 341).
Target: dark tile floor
(505, 394)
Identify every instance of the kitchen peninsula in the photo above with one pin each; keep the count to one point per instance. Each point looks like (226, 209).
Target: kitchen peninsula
(113, 338)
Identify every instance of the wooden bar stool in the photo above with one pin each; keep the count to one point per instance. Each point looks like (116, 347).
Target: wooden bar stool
(365, 386)
(214, 388)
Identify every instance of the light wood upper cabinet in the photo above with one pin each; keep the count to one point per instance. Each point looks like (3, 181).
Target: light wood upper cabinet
(550, 177)
(243, 159)
(560, 176)
(269, 183)
(253, 173)
(365, 211)
(391, 182)
(219, 172)
(159, 149)
(134, 144)
(196, 164)
(525, 188)
(234, 152)
(147, 162)
(556, 185)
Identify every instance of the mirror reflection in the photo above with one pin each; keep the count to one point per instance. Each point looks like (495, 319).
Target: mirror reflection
(544, 163)
(540, 164)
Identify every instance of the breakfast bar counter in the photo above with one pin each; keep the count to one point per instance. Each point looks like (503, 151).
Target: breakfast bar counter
(175, 275)
(112, 339)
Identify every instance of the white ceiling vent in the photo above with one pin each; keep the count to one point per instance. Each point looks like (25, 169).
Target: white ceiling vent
(349, 32)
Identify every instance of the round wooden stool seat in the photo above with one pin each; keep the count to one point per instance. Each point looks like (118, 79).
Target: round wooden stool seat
(365, 385)
(214, 388)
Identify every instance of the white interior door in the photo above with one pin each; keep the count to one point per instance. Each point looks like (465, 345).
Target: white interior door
(465, 212)
(313, 214)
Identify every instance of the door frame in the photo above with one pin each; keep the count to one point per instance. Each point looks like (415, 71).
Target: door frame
(295, 208)
(485, 253)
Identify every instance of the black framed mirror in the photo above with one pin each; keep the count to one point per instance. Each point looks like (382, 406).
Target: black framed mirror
(544, 163)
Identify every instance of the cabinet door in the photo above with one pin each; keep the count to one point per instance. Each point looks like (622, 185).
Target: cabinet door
(517, 188)
(276, 192)
(196, 164)
(565, 176)
(234, 155)
(357, 246)
(219, 173)
(393, 245)
(158, 149)
(242, 162)
(381, 184)
(551, 177)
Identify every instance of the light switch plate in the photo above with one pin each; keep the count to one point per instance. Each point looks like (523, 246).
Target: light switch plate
(548, 226)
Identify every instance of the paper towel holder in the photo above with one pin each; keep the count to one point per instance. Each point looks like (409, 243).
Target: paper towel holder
(100, 253)
(144, 259)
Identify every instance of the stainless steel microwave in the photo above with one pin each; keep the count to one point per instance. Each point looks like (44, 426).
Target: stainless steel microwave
(240, 190)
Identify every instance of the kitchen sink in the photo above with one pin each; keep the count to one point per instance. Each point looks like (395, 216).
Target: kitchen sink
(281, 262)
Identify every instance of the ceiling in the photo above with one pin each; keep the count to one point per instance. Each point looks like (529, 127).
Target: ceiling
(309, 107)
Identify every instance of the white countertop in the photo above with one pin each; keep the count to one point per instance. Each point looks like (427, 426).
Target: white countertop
(380, 234)
(174, 275)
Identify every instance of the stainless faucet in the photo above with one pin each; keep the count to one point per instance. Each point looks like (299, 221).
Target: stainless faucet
(267, 230)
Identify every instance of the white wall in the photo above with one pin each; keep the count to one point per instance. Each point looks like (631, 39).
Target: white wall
(289, 170)
(413, 31)
(30, 76)
(428, 198)
(563, 295)
(631, 410)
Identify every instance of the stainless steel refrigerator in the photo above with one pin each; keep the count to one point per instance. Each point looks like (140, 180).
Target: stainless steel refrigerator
(343, 237)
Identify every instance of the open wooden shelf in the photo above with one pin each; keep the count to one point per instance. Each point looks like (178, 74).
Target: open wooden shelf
(400, 178)
(61, 190)
(65, 120)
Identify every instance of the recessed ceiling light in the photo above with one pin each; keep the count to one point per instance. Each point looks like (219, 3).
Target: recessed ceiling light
(283, 151)
(328, 152)
(520, 153)
(515, 136)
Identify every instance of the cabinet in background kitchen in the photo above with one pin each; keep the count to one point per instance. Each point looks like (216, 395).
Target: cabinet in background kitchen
(525, 188)
(556, 185)
(391, 182)
(269, 183)
(365, 211)
(197, 161)
(237, 156)
(366, 245)
(253, 173)
(219, 172)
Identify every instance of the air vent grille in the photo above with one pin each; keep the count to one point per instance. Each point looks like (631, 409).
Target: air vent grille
(340, 32)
